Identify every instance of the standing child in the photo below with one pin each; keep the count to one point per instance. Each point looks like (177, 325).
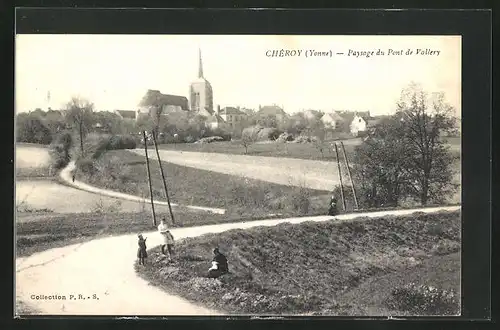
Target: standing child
(142, 253)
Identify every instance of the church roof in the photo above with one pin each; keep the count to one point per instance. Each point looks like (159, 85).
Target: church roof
(156, 97)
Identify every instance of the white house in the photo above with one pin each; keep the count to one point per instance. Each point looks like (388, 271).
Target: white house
(358, 124)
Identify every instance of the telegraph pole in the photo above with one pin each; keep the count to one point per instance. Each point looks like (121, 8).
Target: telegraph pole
(164, 182)
(340, 176)
(350, 177)
(149, 177)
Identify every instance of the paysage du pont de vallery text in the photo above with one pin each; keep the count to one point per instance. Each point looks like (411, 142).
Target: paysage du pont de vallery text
(351, 52)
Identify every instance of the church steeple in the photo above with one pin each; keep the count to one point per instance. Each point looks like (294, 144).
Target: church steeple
(200, 68)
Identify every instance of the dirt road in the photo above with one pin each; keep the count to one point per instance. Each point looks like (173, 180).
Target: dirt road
(313, 174)
(104, 268)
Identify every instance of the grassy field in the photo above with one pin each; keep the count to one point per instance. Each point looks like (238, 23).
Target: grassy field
(269, 149)
(315, 268)
(274, 149)
(124, 171)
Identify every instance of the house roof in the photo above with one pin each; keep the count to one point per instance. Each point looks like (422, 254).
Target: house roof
(271, 110)
(231, 111)
(126, 113)
(332, 116)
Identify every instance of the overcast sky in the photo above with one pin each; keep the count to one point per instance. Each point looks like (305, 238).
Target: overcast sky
(114, 71)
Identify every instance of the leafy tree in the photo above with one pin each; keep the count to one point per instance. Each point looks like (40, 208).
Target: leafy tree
(31, 129)
(405, 155)
(425, 121)
(153, 100)
(80, 114)
(379, 165)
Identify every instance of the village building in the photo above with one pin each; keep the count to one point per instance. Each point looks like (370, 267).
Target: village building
(201, 98)
(312, 114)
(272, 110)
(232, 116)
(169, 104)
(331, 120)
(359, 123)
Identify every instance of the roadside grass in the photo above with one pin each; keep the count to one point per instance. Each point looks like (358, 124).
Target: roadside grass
(308, 268)
(125, 171)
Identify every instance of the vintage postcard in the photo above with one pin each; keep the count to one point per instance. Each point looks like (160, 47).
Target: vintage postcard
(277, 175)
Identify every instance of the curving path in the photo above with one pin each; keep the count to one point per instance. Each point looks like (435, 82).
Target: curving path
(66, 176)
(104, 267)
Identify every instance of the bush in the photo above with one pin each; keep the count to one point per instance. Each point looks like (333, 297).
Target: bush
(226, 136)
(306, 139)
(118, 142)
(60, 150)
(86, 166)
(251, 133)
(424, 300)
(96, 145)
(268, 134)
(285, 137)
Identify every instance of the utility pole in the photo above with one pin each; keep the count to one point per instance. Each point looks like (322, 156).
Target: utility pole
(164, 182)
(149, 177)
(350, 177)
(340, 176)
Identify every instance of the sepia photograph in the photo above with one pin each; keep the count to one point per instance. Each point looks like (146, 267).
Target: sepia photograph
(227, 175)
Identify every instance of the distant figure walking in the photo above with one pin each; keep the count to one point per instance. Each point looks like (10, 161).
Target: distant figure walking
(74, 175)
(168, 239)
(142, 253)
(219, 265)
(332, 210)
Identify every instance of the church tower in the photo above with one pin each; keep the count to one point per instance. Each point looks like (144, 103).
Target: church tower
(200, 93)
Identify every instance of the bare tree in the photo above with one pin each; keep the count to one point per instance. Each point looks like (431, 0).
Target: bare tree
(425, 121)
(79, 113)
(248, 137)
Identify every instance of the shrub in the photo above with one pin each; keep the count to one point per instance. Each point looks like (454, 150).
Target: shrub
(60, 150)
(122, 142)
(226, 136)
(285, 137)
(299, 200)
(268, 133)
(86, 166)
(424, 300)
